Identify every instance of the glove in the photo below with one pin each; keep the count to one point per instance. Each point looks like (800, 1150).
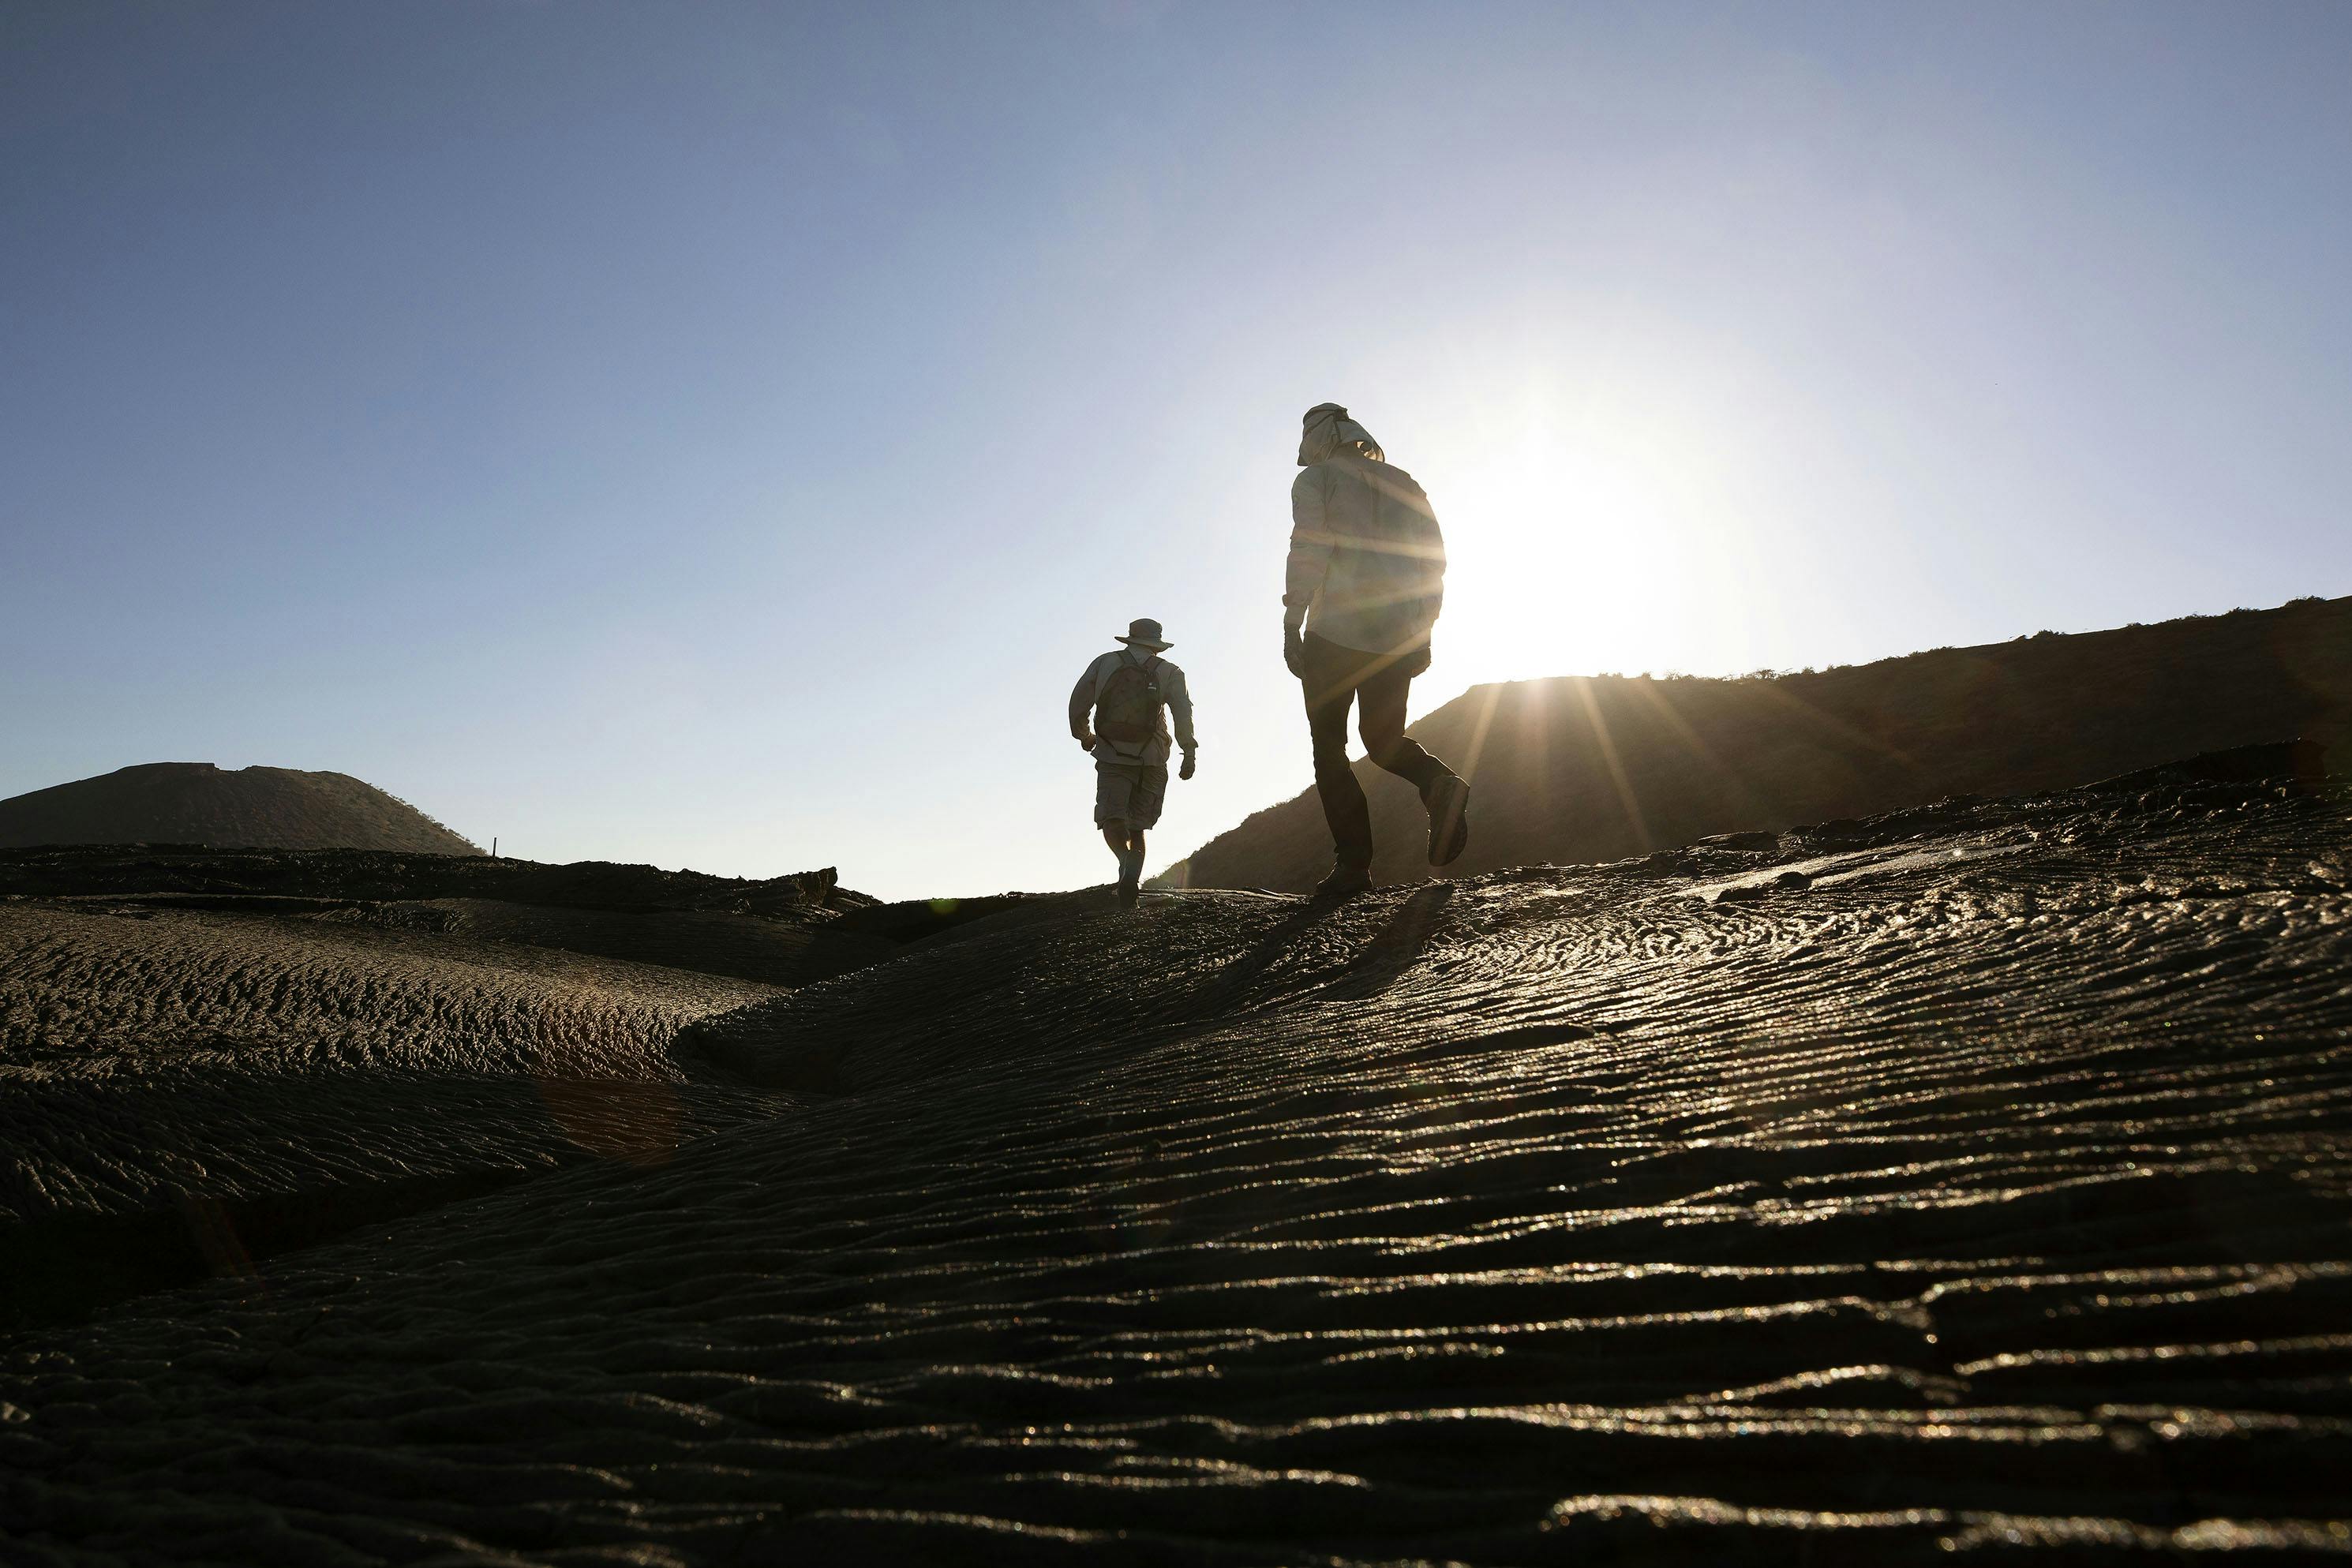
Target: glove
(1085, 742)
(1185, 771)
(1294, 651)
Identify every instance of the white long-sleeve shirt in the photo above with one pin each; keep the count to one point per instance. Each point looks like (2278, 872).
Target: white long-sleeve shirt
(1152, 752)
(1367, 567)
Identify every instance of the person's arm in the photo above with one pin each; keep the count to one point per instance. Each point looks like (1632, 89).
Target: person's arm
(1082, 706)
(1310, 550)
(1179, 715)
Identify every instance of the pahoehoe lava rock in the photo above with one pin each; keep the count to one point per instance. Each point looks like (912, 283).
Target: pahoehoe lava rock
(208, 1056)
(197, 803)
(1976, 1183)
(784, 930)
(1578, 770)
(188, 1088)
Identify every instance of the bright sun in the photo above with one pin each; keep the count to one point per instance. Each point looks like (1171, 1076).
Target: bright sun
(1572, 555)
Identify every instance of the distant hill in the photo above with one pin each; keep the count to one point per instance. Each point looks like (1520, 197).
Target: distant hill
(197, 803)
(1581, 769)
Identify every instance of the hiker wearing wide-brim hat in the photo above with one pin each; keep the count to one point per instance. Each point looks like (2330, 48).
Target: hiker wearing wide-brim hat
(1119, 712)
(1361, 590)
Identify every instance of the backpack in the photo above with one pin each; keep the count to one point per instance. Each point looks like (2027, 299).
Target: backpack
(1126, 711)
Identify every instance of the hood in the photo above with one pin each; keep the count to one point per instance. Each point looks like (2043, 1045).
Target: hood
(1327, 431)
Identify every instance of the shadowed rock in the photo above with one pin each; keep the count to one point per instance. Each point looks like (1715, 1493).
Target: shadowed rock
(197, 803)
(1980, 1180)
(784, 930)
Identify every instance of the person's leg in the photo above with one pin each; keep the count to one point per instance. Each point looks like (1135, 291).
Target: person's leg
(1380, 716)
(1114, 789)
(1143, 806)
(1330, 688)
(1130, 869)
(1127, 801)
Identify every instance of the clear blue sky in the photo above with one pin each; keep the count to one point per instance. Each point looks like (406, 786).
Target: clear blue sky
(718, 434)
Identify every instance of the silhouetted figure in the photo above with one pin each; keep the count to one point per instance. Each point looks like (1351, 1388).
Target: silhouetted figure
(1365, 582)
(1127, 695)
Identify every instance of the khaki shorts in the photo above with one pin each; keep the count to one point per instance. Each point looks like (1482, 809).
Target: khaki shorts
(1129, 794)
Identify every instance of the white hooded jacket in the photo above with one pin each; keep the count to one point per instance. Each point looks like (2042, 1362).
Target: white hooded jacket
(1367, 567)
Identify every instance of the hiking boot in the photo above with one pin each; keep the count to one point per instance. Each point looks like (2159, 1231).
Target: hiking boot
(1345, 882)
(1449, 820)
(1130, 881)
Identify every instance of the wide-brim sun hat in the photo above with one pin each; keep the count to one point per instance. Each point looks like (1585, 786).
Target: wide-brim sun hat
(1144, 635)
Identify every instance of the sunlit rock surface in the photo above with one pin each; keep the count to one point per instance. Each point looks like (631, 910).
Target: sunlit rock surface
(1969, 1181)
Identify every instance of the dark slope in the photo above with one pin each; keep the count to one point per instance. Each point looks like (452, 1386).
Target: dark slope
(1972, 1182)
(197, 803)
(1578, 770)
(785, 930)
(156, 868)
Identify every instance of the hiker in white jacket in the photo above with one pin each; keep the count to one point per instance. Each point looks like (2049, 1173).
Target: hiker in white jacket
(1361, 590)
(1118, 712)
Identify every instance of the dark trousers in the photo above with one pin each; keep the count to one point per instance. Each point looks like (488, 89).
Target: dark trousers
(1378, 685)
